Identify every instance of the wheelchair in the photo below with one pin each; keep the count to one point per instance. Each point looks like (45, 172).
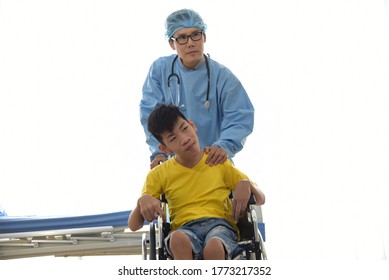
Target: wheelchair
(250, 225)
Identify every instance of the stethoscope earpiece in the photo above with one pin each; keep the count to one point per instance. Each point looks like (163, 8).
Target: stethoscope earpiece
(206, 104)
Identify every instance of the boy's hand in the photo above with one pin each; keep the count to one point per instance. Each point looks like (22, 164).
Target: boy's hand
(241, 197)
(215, 154)
(150, 207)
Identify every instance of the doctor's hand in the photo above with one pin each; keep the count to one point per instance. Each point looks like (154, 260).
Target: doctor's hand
(150, 207)
(216, 155)
(157, 160)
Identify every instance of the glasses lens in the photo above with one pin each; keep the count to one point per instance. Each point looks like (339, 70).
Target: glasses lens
(183, 39)
(196, 35)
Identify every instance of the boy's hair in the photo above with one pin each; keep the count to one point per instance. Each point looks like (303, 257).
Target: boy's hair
(163, 119)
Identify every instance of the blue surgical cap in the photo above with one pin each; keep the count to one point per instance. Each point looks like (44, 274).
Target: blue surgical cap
(184, 18)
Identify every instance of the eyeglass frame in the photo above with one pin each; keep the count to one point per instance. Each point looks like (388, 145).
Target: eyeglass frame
(187, 37)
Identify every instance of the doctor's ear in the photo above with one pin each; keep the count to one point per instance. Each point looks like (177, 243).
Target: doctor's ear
(171, 43)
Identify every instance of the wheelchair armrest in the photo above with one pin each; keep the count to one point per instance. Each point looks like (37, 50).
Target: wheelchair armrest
(162, 198)
(251, 201)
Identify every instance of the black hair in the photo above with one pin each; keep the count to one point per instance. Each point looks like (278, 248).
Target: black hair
(163, 119)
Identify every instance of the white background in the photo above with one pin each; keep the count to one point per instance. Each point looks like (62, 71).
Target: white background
(317, 72)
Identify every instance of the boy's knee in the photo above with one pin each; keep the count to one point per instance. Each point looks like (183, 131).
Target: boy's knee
(214, 250)
(180, 245)
(179, 238)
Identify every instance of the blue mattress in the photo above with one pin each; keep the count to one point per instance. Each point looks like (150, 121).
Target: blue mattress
(9, 224)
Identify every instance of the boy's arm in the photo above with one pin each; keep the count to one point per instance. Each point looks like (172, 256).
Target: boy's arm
(136, 220)
(148, 208)
(242, 194)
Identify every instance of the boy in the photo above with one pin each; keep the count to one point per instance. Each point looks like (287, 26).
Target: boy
(203, 219)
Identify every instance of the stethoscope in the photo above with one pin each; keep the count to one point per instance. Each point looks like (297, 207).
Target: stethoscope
(207, 103)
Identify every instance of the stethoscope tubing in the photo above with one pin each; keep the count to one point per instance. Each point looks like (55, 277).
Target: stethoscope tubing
(174, 75)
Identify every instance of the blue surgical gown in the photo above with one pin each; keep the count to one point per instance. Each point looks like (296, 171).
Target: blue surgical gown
(228, 120)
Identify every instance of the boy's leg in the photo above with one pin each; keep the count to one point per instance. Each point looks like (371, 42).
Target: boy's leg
(214, 250)
(200, 232)
(228, 241)
(180, 246)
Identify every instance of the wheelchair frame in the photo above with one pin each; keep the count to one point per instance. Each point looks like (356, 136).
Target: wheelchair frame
(251, 229)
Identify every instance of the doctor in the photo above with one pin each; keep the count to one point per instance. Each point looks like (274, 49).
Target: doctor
(206, 92)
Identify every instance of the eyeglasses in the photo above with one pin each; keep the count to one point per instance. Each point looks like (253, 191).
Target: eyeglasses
(183, 39)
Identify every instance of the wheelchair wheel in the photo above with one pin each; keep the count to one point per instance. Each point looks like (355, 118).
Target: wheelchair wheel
(153, 243)
(144, 246)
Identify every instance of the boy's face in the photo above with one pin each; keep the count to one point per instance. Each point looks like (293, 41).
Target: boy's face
(182, 141)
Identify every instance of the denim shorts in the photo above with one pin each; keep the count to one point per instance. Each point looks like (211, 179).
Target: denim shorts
(202, 230)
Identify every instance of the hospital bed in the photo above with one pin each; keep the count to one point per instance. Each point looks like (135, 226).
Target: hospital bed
(90, 235)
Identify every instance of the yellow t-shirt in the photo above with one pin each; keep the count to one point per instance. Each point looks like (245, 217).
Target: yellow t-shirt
(194, 193)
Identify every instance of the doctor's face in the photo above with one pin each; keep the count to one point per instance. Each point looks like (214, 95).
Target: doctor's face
(189, 45)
